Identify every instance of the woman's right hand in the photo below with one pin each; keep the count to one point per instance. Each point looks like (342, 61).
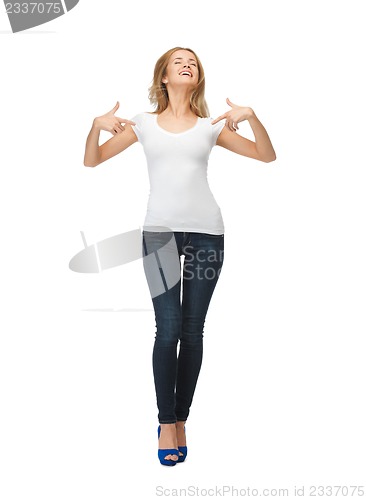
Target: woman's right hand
(111, 123)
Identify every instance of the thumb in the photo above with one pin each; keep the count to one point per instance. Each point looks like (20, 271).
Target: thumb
(115, 108)
(230, 103)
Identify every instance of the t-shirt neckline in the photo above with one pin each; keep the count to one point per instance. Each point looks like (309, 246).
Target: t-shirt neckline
(174, 133)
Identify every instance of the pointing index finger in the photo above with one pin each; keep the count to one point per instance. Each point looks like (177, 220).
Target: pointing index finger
(221, 117)
(123, 120)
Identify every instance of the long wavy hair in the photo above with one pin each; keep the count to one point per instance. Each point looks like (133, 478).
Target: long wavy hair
(158, 93)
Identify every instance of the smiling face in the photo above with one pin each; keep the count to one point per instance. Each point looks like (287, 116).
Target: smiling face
(182, 69)
(169, 74)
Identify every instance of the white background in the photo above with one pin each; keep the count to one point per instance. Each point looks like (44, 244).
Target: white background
(280, 402)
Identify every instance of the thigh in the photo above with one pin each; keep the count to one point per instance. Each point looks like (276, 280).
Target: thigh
(162, 269)
(203, 261)
(161, 261)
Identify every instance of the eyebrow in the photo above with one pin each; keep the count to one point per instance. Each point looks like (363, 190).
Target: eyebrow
(194, 60)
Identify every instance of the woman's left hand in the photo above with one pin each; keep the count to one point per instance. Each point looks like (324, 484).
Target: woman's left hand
(236, 115)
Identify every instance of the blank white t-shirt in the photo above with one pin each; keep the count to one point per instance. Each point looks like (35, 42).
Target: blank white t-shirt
(180, 197)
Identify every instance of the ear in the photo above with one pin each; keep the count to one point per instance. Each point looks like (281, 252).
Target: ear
(164, 80)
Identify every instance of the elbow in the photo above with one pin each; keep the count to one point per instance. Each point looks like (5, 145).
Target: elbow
(270, 158)
(89, 163)
(92, 160)
(265, 156)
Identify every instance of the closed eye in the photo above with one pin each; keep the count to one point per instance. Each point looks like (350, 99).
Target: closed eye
(178, 61)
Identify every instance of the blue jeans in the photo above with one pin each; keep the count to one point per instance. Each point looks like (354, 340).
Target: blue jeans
(180, 301)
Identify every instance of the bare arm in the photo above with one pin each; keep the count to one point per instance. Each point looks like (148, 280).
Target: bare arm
(123, 137)
(261, 149)
(95, 154)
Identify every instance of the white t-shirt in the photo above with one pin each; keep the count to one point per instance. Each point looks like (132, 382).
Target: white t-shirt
(180, 197)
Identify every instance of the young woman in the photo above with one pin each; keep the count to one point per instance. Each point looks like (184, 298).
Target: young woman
(182, 220)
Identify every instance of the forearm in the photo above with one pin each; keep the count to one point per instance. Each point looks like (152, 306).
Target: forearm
(262, 140)
(92, 154)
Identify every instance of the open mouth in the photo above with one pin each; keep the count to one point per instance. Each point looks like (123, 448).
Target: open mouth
(186, 73)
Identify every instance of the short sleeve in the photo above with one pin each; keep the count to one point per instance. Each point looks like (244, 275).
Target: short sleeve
(216, 129)
(138, 128)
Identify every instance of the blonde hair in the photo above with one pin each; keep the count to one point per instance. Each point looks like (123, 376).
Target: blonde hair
(158, 93)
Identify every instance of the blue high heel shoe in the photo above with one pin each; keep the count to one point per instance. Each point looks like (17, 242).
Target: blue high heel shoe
(162, 453)
(183, 450)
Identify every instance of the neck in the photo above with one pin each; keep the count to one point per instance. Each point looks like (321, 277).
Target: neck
(179, 103)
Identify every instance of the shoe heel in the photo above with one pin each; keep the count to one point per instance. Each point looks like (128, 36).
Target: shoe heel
(184, 450)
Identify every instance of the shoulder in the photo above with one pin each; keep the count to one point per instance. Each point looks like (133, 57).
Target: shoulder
(142, 117)
(139, 117)
(143, 122)
(215, 129)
